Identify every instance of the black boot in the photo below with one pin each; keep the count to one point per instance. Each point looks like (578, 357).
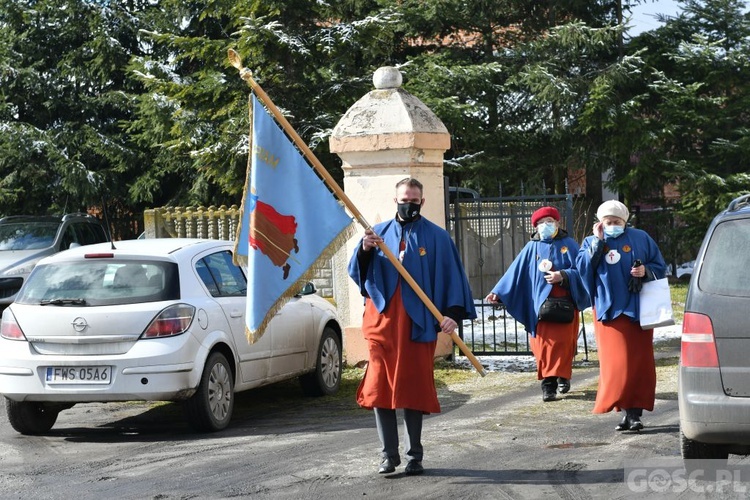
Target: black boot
(631, 421)
(624, 423)
(549, 389)
(634, 419)
(563, 385)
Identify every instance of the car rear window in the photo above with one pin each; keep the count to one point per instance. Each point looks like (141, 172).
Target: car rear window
(101, 282)
(726, 255)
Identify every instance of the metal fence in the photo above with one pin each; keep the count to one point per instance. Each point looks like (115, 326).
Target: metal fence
(489, 233)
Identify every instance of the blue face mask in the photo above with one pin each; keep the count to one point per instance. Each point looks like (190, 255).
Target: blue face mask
(613, 231)
(546, 230)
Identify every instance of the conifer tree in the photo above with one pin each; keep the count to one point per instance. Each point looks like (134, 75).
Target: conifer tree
(65, 92)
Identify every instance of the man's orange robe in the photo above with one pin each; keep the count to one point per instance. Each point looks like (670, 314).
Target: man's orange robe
(400, 371)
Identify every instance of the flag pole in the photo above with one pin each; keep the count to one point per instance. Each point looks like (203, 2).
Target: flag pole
(246, 74)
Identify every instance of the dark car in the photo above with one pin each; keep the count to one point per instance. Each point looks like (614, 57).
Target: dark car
(714, 373)
(26, 239)
(461, 194)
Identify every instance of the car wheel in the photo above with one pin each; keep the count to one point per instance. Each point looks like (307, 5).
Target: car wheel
(326, 378)
(210, 408)
(707, 451)
(31, 418)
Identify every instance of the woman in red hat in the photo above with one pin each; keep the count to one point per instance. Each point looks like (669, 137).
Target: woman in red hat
(544, 275)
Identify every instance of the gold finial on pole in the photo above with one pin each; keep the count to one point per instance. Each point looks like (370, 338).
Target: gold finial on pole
(236, 61)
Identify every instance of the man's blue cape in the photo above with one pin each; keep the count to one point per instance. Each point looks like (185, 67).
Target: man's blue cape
(431, 258)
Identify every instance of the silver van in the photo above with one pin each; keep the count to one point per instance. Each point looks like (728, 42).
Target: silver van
(26, 239)
(714, 373)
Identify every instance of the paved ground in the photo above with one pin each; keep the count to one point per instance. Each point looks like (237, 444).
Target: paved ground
(494, 439)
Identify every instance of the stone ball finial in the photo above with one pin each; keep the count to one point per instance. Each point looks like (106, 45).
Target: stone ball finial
(387, 77)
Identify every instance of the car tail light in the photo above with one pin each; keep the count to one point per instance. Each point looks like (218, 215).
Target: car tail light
(9, 328)
(698, 343)
(174, 320)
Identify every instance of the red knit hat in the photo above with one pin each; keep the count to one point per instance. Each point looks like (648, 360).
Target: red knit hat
(544, 212)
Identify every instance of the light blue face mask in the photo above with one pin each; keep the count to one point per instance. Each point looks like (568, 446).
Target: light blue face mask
(546, 230)
(613, 231)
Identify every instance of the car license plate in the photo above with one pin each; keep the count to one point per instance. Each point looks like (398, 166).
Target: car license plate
(79, 374)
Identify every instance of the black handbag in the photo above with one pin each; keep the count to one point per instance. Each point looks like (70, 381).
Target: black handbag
(557, 310)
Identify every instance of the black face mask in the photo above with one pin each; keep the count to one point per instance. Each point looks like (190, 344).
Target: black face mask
(409, 211)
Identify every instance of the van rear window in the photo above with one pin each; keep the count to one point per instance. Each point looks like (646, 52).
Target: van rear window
(726, 255)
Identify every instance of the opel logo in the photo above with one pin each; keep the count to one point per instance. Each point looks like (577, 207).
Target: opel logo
(79, 324)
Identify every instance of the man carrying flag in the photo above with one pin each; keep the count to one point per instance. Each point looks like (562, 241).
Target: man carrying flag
(400, 329)
(428, 284)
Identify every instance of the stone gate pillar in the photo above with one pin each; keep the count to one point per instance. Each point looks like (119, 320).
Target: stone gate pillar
(384, 137)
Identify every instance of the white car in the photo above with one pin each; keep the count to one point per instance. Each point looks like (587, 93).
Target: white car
(685, 269)
(154, 320)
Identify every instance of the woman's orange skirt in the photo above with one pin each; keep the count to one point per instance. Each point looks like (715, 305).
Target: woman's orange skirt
(554, 348)
(400, 372)
(627, 371)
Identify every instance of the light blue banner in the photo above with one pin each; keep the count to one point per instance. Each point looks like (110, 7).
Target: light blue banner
(290, 220)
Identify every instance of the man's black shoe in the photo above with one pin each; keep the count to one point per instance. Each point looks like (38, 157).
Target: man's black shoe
(563, 385)
(388, 465)
(624, 424)
(414, 468)
(549, 389)
(635, 424)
